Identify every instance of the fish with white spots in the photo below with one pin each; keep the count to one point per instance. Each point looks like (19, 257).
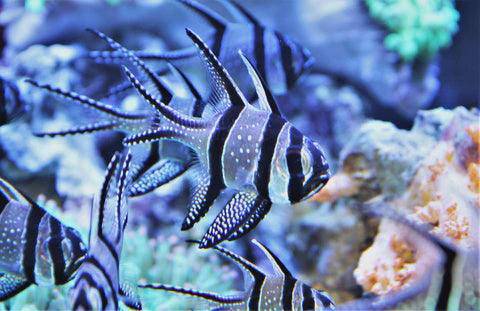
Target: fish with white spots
(249, 148)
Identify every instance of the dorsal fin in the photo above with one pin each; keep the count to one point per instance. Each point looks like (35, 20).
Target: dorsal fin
(213, 18)
(166, 111)
(224, 89)
(242, 262)
(195, 293)
(237, 9)
(88, 102)
(162, 88)
(274, 260)
(265, 96)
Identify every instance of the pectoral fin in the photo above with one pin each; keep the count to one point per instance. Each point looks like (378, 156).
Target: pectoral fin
(10, 285)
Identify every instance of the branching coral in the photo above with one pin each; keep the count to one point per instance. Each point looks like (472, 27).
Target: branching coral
(418, 28)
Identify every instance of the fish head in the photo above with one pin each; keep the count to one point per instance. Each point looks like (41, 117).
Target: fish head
(323, 301)
(315, 168)
(74, 251)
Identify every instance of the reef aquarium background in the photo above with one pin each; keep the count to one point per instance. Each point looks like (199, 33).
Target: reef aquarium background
(389, 90)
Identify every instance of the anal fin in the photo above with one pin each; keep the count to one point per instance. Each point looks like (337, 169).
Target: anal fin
(258, 214)
(237, 211)
(11, 285)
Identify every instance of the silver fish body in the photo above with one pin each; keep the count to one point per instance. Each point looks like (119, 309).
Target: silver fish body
(249, 148)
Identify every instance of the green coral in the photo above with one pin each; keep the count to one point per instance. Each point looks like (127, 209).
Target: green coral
(160, 260)
(418, 28)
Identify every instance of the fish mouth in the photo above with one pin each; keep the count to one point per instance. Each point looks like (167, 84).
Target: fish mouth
(315, 184)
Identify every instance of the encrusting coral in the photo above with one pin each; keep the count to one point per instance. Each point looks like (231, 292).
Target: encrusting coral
(443, 191)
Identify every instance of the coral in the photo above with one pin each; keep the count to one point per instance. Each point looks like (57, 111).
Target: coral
(443, 194)
(396, 259)
(418, 28)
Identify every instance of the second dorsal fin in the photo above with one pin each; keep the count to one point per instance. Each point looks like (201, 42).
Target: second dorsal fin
(265, 96)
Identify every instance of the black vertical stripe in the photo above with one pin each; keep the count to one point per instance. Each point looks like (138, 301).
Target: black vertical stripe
(259, 50)
(270, 135)
(254, 301)
(287, 292)
(82, 299)
(217, 42)
(92, 260)
(31, 235)
(294, 163)
(447, 280)
(287, 60)
(56, 252)
(308, 303)
(217, 144)
(4, 200)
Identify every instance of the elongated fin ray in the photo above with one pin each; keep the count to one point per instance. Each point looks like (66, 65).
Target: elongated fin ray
(223, 87)
(162, 88)
(203, 197)
(11, 285)
(265, 97)
(253, 221)
(195, 293)
(163, 173)
(213, 18)
(84, 129)
(88, 102)
(233, 215)
(150, 136)
(274, 260)
(251, 268)
(116, 56)
(166, 111)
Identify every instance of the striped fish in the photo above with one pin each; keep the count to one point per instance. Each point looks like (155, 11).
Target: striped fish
(247, 148)
(278, 290)
(35, 247)
(97, 284)
(279, 60)
(149, 171)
